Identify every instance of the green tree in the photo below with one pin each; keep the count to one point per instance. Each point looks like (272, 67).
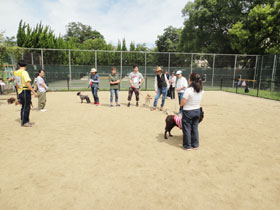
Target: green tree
(94, 44)
(260, 32)
(169, 41)
(80, 32)
(207, 24)
(124, 48)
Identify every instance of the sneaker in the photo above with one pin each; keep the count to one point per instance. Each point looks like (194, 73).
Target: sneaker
(26, 125)
(154, 109)
(43, 110)
(111, 105)
(118, 105)
(195, 148)
(161, 108)
(97, 103)
(128, 105)
(137, 104)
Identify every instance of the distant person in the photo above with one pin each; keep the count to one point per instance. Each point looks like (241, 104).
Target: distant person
(191, 112)
(181, 86)
(41, 90)
(135, 79)
(94, 84)
(114, 80)
(24, 88)
(161, 88)
(172, 82)
(167, 76)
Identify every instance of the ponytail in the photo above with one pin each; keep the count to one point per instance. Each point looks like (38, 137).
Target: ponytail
(196, 82)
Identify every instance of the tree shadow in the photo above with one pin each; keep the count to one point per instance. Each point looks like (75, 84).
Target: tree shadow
(175, 141)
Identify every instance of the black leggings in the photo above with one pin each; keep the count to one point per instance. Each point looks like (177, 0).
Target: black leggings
(25, 100)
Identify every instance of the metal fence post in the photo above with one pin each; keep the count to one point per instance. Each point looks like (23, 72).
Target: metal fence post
(191, 62)
(273, 73)
(256, 66)
(168, 62)
(42, 58)
(121, 68)
(70, 70)
(260, 78)
(95, 59)
(235, 62)
(213, 70)
(146, 81)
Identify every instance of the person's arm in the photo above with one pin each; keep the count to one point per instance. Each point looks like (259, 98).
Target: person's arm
(96, 79)
(185, 98)
(28, 84)
(167, 83)
(142, 80)
(156, 87)
(183, 102)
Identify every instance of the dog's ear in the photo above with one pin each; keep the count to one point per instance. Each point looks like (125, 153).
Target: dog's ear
(78, 93)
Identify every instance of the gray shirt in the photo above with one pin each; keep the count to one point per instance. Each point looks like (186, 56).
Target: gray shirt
(136, 78)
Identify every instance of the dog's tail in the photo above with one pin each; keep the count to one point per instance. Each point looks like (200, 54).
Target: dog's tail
(78, 93)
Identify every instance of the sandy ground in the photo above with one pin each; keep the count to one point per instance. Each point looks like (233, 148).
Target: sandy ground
(82, 157)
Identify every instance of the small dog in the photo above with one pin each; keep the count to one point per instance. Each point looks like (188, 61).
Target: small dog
(173, 120)
(17, 102)
(11, 100)
(83, 97)
(148, 99)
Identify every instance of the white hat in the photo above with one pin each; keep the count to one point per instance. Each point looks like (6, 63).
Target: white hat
(93, 70)
(179, 72)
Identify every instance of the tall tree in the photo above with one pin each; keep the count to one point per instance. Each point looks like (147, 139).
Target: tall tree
(124, 48)
(207, 24)
(80, 32)
(259, 33)
(169, 41)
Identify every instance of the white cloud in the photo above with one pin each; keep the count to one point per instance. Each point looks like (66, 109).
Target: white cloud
(139, 21)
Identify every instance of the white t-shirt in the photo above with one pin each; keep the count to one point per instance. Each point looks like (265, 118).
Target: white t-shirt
(181, 82)
(39, 82)
(136, 78)
(193, 99)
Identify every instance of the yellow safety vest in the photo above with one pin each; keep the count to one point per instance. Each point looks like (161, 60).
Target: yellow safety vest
(20, 81)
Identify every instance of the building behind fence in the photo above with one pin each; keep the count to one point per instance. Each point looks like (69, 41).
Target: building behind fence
(72, 67)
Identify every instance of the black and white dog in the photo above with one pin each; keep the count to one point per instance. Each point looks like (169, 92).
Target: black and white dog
(83, 97)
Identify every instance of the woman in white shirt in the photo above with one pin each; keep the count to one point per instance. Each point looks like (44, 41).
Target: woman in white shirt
(191, 112)
(181, 86)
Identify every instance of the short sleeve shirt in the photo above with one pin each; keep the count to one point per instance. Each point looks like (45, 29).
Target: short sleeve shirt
(136, 78)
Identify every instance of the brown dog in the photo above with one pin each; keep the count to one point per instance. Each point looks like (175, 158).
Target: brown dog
(172, 120)
(17, 102)
(11, 100)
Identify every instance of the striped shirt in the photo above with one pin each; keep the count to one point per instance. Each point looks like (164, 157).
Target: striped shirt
(178, 121)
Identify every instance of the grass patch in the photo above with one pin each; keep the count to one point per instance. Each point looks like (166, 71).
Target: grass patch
(253, 92)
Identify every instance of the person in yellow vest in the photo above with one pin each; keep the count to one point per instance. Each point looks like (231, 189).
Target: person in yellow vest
(23, 84)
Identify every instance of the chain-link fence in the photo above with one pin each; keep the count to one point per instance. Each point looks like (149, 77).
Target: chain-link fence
(69, 69)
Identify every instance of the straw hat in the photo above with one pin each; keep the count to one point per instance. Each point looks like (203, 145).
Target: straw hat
(93, 70)
(158, 69)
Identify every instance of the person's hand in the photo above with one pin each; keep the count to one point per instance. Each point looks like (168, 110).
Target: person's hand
(177, 90)
(132, 86)
(35, 94)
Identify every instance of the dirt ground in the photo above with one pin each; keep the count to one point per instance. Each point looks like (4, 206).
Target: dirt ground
(82, 157)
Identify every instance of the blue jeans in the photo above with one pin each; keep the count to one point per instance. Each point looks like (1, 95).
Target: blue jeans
(94, 93)
(112, 91)
(190, 122)
(160, 91)
(180, 97)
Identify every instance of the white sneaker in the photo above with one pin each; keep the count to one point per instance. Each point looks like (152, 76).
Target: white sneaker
(43, 110)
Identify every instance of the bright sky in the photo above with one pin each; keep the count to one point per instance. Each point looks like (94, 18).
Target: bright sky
(140, 21)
